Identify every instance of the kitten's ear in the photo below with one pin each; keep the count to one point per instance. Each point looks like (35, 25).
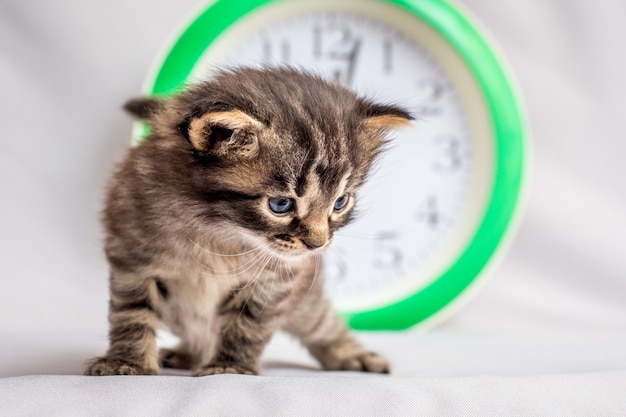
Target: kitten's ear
(225, 134)
(144, 108)
(383, 118)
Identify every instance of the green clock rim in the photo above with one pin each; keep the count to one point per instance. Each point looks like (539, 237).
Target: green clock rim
(509, 170)
(506, 123)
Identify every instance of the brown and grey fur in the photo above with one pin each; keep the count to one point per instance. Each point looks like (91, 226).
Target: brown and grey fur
(192, 244)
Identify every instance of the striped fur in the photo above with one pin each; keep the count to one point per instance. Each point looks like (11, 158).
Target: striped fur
(193, 244)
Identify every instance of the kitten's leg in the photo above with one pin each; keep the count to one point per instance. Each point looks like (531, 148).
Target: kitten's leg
(177, 358)
(247, 324)
(132, 333)
(326, 337)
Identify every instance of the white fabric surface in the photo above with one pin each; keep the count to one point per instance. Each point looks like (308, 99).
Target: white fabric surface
(329, 394)
(546, 335)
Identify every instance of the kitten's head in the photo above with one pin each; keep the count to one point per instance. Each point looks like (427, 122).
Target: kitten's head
(278, 153)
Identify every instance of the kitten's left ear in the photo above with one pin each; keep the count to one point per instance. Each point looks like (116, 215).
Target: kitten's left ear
(225, 134)
(145, 108)
(383, 118)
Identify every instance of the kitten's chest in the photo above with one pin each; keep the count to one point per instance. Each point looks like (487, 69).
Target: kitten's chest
(201, 279)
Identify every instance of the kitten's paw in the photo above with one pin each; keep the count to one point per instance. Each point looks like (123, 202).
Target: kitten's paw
(338, 359)
(112, 366)
(215, 369)
(176, 359)
(363, 362)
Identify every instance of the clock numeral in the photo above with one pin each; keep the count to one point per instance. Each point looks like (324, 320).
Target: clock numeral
(387, 56)
(449, 158)
(338, 269)
(281, 48)
(429, 212)
(389, 254)
(317, 42)
(335, 42)
(431, 90)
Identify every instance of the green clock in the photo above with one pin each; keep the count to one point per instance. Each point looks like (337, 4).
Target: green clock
(443, 199)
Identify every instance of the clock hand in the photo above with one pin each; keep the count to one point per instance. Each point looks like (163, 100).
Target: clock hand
(352, 58)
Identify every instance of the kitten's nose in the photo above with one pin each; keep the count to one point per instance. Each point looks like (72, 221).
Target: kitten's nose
(313, 244)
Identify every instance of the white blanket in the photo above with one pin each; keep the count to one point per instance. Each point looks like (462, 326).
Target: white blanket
(546, 335)
(330, 394)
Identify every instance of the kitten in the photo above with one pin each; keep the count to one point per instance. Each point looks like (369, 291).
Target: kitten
(215, 224)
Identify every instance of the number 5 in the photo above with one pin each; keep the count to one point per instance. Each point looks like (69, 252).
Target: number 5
(389, 255)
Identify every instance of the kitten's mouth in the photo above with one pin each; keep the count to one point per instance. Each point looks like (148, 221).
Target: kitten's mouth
(295, 247)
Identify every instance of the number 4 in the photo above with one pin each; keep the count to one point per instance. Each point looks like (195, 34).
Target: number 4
(430, 213)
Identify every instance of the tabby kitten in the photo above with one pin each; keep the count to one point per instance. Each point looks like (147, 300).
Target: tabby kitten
(215, 225)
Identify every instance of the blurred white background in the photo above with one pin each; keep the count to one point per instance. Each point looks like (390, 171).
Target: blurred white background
(66, 67)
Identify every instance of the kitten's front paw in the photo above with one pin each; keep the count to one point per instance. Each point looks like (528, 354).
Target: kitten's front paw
(215, 369)
(112, 366)
(364, 362)
(336, 358)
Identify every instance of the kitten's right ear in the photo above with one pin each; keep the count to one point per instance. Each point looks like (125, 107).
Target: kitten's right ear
(230, 134)
(144, 108)
(383, 117)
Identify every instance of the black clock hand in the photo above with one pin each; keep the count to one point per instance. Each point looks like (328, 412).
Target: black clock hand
(352, 59)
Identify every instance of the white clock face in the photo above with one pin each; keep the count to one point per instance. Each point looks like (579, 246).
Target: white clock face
(425, 195)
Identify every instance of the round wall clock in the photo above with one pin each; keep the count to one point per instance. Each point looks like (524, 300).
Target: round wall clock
(443, 199)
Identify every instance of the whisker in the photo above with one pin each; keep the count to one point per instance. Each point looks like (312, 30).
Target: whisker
(268, 257)
(337, 274)
(317, 270)
(289, 280)
(227, 254)
(254, 281)
(295, 177)
(236, 271)
(267, 298)
(356, 235)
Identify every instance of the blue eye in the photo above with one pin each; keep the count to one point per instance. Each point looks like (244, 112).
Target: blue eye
(281, 205)
(341, 202)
